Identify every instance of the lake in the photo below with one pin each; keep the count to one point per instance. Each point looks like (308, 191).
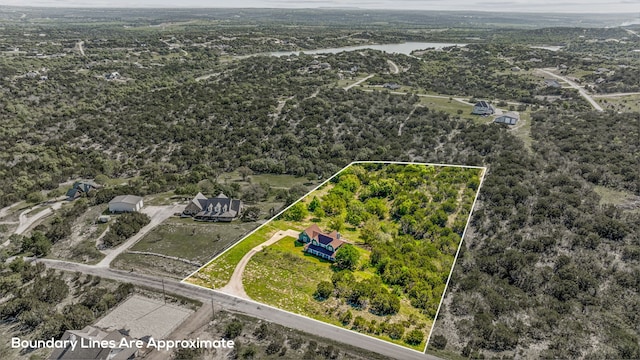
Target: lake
(403, 48)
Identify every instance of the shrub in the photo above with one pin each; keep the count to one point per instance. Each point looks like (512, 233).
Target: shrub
(233, 329)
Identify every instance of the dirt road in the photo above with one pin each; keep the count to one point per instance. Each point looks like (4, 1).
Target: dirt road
(393, 67)
(235, 287)
(79, 45)
(359, 82)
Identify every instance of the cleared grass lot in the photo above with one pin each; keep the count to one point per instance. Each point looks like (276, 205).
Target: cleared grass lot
(191, 240)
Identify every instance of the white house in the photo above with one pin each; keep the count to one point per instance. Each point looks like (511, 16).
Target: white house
(510, 118)
(125, 203)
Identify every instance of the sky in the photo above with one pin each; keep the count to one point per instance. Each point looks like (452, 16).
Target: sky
(546, 6)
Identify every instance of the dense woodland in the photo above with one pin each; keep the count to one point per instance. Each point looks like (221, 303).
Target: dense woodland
(548, 267)
(33, 298)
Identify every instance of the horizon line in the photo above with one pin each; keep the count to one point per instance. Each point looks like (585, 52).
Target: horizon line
(324, 8)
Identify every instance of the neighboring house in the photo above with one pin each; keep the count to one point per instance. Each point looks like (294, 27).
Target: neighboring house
(219, 208)
(112, 76)
(391, 86)
(126, 203)
(515, 68)
(81, 188)
(552, 83)
(483, 108)
(510, 118)
(320, 244)
(89, 346)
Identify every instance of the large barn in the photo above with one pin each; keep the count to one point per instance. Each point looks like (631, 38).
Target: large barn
(126, 203)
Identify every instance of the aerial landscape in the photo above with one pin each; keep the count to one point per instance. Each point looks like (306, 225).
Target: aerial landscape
(329, 183)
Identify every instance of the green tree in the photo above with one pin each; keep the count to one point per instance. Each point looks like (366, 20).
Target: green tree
(336, 223)
(244, 172)
(347, 257)
(395, 331)
(233, 329)
(296, 212)
(251, 213)
(323, 290)
(345, 319)
(314, 204)
(415, 337)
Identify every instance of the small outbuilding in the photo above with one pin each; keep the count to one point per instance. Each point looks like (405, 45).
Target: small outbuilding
(510, 118)
(126, 203)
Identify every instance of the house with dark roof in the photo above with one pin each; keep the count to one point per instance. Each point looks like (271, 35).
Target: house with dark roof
(319, 243)
(483, 108)
(219, 208)
(81, 188)
(93, 340)
(510, 118)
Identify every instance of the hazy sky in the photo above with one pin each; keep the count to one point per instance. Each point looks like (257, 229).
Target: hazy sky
(581, 6)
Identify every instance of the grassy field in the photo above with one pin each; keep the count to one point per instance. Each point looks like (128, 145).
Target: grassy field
(616, 197)
(218, 272)
(153, 265)
(451, 107)
(192, 240)
(630, 103)
(298, 274)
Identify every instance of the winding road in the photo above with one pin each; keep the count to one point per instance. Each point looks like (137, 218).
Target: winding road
(580, 89)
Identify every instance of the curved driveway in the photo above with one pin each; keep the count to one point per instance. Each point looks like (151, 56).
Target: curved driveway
(235, 287)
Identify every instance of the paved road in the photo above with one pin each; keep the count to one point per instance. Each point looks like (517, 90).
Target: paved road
(158, 214)
(247, 307)
(580, 89)
(359, 82)
(235, 287)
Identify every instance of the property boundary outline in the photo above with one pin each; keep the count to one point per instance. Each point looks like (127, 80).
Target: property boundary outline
(483, 173)
(453, 266)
